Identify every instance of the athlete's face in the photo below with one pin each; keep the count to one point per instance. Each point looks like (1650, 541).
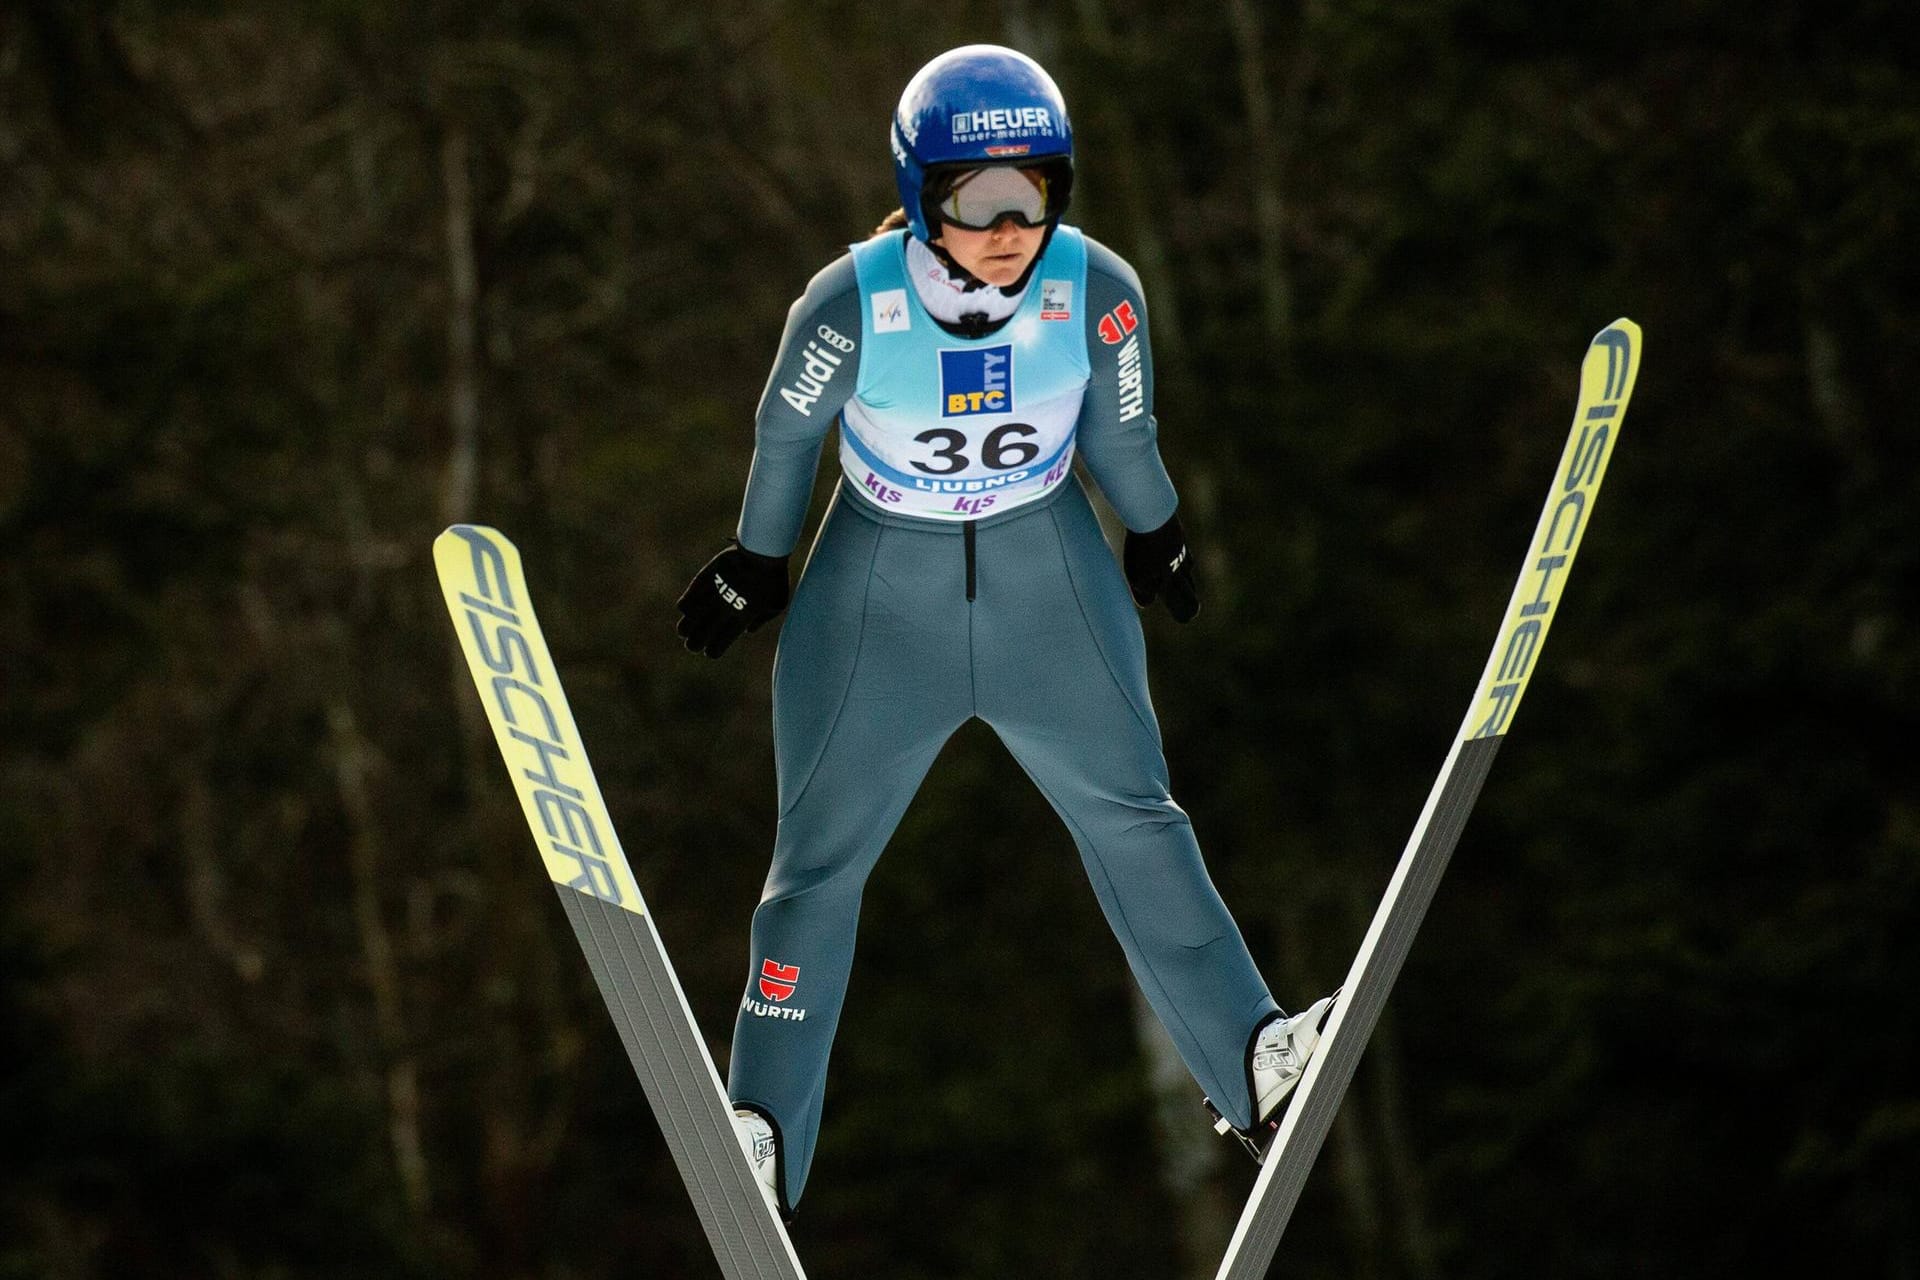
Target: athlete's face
(998, 256)
(1001, 254)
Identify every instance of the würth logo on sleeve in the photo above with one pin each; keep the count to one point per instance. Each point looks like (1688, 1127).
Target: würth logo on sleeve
(1117, 324)
(777, 981)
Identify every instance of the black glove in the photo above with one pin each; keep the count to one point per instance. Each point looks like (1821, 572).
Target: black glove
(739, 590)
(1158, 564)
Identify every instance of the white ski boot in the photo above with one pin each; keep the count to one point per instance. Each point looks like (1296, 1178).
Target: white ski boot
(756, 1139)
(1276, 1060)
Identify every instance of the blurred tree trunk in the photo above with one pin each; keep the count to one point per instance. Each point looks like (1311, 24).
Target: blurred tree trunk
(1134, 174)
(354, 763)
(1189, 1148)
(1346, 1156)
(460, 476)
(1416, 1252)
(1266, 169)
(206, 881)
(1352, 1168)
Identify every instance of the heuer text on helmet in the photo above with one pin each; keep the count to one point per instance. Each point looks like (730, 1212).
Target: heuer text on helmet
(1002, 122)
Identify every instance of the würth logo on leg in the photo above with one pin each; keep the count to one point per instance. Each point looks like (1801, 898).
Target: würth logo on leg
(777, 981)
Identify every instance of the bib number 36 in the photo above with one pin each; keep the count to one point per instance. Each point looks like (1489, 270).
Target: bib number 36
(1002, 450)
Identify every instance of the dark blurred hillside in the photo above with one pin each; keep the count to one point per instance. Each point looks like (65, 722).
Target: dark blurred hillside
(286, 289)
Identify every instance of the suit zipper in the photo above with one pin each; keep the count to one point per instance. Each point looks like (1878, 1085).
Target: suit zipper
(968, 539)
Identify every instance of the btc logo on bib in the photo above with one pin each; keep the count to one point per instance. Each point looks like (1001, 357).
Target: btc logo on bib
(976, 380)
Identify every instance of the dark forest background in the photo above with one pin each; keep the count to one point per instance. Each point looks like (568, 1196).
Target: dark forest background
(285, 289)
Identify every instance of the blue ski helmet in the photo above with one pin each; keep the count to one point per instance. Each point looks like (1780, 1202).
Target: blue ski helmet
(981, 104)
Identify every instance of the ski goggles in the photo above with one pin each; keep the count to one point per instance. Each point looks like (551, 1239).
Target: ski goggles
(976, 199)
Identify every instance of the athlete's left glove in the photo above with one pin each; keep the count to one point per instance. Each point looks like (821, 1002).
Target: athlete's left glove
(739, 590)
(1157, 564)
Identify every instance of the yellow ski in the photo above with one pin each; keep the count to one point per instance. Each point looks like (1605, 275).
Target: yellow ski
(492, 611)
(1607, 376)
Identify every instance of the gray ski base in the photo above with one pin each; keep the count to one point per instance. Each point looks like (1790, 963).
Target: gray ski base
(648, 1007)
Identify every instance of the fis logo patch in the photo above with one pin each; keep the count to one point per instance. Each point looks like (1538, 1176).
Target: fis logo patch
(976, 380)
(777, 981)
(890, 314)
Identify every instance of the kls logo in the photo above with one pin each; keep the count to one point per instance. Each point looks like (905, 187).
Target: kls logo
(778, 981)
(1117, 324)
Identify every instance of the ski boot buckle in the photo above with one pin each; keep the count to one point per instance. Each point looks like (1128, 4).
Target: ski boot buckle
(1255, 1143)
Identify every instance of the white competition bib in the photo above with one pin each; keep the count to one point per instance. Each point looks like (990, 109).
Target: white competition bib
(951, 428)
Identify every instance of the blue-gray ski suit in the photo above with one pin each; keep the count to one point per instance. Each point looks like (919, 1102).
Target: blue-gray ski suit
(960, 573)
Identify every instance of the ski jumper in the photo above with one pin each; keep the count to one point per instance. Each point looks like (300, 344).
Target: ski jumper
(960, 573)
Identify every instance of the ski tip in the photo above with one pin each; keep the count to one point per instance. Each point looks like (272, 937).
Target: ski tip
(459, 537)
(473, 555)
(463, 529)
(1621, 326)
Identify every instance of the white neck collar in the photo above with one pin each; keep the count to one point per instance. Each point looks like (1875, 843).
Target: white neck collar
(946, 298)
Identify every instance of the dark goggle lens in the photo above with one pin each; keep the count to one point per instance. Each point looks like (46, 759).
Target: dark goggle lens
(979, 198)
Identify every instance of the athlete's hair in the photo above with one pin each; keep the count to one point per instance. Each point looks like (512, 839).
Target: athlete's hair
(936, 189)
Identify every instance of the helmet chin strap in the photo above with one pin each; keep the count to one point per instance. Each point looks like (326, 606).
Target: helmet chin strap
(969, 281)
(1046, 239)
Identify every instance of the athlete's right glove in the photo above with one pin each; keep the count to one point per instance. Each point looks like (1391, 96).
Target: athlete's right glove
(1157, 564)
(739, 590)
